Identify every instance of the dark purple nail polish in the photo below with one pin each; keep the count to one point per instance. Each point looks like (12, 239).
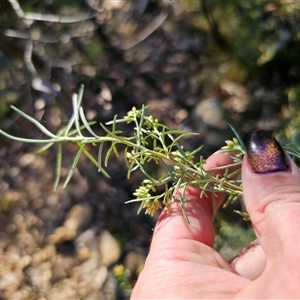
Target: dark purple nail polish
(265, 154)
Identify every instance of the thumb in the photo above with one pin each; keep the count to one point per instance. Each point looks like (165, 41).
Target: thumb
(271, 186)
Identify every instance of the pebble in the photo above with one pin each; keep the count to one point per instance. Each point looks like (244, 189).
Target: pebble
(209, 112)
(109, 249)
(77, 218)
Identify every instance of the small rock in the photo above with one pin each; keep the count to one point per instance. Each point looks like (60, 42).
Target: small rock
(41, 255)
(40, 276)
(109, 248)
(23, 294)
(65, 289)
(61, 234)
(237, 96)
(77, 218)
(10, 281)
(210, 112)
(100, 277)
(26, 159)
(133, 260)
(90, 265)
(23, 262)
(110, 287)
(84, 253)
(85, 242)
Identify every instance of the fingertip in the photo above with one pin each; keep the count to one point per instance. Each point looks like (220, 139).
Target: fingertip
(217, 159)
(172, 223)
(261, 189)
(271, 196)
(250, 262)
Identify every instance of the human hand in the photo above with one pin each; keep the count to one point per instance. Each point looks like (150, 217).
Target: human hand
(182, 263)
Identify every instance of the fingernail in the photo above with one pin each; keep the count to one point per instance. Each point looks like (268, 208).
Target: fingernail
(265, 154)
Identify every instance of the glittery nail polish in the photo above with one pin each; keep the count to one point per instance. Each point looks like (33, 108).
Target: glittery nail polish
(265, 154)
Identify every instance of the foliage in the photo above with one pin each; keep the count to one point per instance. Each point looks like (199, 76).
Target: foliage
(232, 239)
(152, 142)
(124, 277)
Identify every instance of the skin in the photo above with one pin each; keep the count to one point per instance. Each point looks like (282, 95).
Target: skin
(182, 263)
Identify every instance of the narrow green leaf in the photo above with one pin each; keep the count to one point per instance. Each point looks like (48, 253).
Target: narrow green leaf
(136, 200)
(115, 150)
(100, 151)
(44, 148)
(197, 150)
(114, 123)
(23, 140)
(58, 166)
(86, 124)
(145, 172)
(69, 125)
(74, 164)
(95, 162)
(204, 188)
(183, 133)
(76, 112)
(169, 170)
(182, 204)
(142, 117)
(141, 206)
(107, 156)
(130, 169)
(74, 131)
(80, 95)
(35, 122)
(238, 137)
(162, 137)
(126, 158)
(110, 133)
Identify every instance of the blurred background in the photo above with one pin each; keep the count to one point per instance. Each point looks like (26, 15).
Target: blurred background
(199, 64)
